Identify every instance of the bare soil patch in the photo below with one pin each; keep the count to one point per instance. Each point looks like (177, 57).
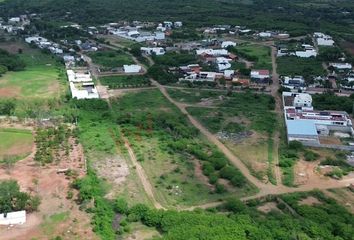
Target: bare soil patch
(310, 201)
(268, 207)
(114, 169)
(52, 187)
(9, 92)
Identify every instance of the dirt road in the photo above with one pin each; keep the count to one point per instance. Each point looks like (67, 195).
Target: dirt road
(142, 175)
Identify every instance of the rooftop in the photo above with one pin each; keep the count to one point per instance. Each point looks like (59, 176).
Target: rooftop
(298, 127)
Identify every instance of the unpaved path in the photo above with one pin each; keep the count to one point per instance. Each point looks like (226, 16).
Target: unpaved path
(142, 175)
(279, 110)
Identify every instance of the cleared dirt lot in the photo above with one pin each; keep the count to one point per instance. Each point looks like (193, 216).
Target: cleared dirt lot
(57, 215)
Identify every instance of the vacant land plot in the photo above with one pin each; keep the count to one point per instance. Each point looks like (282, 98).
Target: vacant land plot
(261, 55)
(300, 66)
(169, 148)
(43, 78)
(243, 121)
(115, 82)
(15, 144)
(110, 59)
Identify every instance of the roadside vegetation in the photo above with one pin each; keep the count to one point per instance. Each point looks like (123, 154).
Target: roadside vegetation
(243, 121)
(108, 60)
(116, 82)
(182, 166)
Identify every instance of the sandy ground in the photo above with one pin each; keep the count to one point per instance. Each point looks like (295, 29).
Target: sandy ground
(52, 189)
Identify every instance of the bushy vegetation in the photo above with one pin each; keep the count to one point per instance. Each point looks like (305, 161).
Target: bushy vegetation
(307, 67)
(110, 59)
(10, 62)
(161, 74)
(175, 59)
(12, 199)
(52, 144)
(245, 221)
(330, 101)
(148, 116)
(115, 82)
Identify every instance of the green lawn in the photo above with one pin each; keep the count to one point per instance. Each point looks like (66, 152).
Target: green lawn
(34, 82)
(42, 78)
(115, 82)
(111, 59)
(299, 66)
(15, 143)
(260, 55)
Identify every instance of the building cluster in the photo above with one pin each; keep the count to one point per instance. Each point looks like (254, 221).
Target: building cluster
(323, 39)
(304, 51)
(81, 84)
(15, 24)
(294, 83)
(136, 33)
(306, 125)
(44, 43)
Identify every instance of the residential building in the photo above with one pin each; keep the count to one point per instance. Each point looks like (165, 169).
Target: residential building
(13, 218)
(81, 84)
(132, 68)
(323, 39)
(227, 44)
(155, 50)
(212, 52)
(342, 66)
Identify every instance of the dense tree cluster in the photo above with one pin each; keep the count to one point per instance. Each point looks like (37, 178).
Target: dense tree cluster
(10, 62)
(12, 199)
(331, 101)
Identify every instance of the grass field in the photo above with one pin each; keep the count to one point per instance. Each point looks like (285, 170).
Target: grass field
(15, 143)
(299, 66)
(243, 121)
(43, 78)
(110, 59)
(261, 55)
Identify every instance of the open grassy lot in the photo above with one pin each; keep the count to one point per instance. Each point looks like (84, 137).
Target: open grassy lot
(299, 66)
(260, 55)
(115, 82)
(243, 121)
(15, 144)
(42, 78)
(110, 59)
(173, 154)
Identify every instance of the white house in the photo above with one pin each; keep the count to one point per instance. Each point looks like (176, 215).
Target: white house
(213, 52)
(341, 66)
(35, 39)
(307, 52)
(303, 100)
(81, 85)
(178, 24)
(227, 44)
(132, 68)
(13, 218)
(260, 74)
(149, 51)
(265, 34)
(323, 39)
(223, 63)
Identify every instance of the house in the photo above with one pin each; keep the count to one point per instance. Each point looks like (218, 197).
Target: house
(227, 44)
(260, 74)
(35, 39)
(307, 125)
(306, 52)
(296, 82)
(229, 74)
(223, 63)
(341, 66)
(265, 34)
(241, 81)
(178, 24)
(212, 52)
(323, 39)
(132, 68)
(153, 51)
(13, 218)
(81, 84)
(302, 100)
